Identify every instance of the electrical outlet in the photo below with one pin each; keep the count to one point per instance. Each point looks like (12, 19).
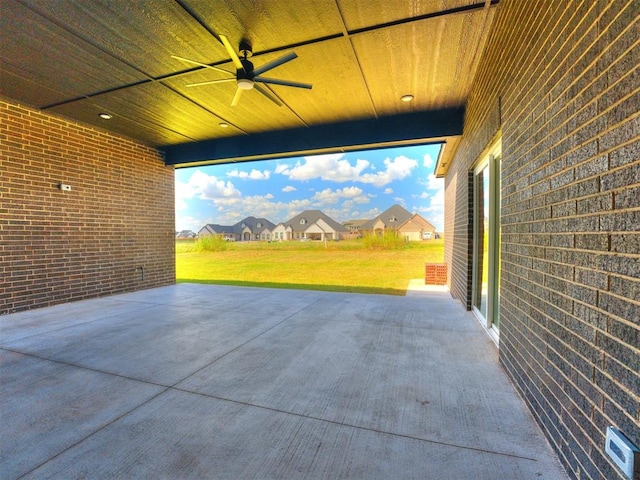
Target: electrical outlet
(624, 453)
(64, 187)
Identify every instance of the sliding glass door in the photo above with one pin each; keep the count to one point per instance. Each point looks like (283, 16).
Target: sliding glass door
(486, 241)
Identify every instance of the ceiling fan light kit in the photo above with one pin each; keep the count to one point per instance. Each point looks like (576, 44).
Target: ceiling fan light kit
(246, 76)
(245, 84)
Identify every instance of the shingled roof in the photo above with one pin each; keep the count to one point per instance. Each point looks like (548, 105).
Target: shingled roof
(301, 222)
(215, 228)
(252, 224)
(392, 217)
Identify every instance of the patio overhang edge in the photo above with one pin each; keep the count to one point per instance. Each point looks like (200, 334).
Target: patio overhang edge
(415, 128)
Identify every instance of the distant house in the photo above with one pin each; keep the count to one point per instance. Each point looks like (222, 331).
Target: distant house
(282, 232)
(249, 229)
(223, 231)
(312, 225)
(253, 229)
(354, 227)
(184, 234)
(411, 226)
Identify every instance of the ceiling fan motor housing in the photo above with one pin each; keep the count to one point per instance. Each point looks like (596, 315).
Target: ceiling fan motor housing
(246, 71)
(244, 76)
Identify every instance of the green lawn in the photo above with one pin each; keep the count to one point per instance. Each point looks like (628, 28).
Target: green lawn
(336, 266)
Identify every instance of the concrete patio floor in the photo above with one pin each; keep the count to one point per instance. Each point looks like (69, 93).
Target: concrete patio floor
(215, 382)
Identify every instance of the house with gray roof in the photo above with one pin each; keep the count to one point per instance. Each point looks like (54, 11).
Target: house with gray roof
(354, 227)
(396, 218)
(249, 229)
(311, 225)
(282, 232)
(224, 231)
(253, 229)
(185, 234)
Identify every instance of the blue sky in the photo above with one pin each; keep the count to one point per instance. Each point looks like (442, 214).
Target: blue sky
(353, 185)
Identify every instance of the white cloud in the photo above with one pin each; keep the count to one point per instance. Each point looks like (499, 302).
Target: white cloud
(332, 197)
(208, 187)
(253, 175)
(434, 183)
(191, 223)
(396, 169)
(183, 191)
(437, 200)
(335, 168)
(327, 167)
(433, 208)
(282, 167)
(203, 186)
(427, 161)
(400, 201)
(225, 204)
(339, 204)
(231, 210)
(371, 213)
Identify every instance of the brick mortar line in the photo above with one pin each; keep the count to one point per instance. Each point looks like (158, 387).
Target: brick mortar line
(588, 417)
(513, 38)
(595, 307)
(597, 331)
(526, 72)
(557, 126)
(517, 174)
(606, 396)
(506, 106)
(567, 68)
(608, 253)
(602, 213)
(576, 199)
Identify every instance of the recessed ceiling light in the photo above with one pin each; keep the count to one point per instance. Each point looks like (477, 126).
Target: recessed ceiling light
(223, 124)
(406, 98)
(105, 116)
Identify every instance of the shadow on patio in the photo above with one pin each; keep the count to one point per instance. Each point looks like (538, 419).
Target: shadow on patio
(206, 381)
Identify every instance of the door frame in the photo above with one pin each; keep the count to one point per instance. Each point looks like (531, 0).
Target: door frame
(491, 158)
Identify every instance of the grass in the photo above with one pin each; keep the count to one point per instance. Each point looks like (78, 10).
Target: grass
(348, 266)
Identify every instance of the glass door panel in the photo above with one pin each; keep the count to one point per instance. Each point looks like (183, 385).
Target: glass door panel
(486, 242)
(481, 257)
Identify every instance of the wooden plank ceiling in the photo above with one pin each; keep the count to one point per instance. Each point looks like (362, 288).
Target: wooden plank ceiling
(79, 58)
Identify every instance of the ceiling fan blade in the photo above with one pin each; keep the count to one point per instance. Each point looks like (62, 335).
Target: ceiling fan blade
(236, 97)
(202, 65)
(286, 83)
(222, 80)
(275, 63)
(265, 91)
(232, 53)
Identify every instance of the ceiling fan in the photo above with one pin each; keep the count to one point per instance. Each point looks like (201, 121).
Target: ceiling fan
(247, 77)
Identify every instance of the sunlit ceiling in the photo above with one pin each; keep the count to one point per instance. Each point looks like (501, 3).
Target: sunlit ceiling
(85, 57)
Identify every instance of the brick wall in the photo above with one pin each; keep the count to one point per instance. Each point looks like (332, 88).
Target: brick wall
(435, 274)
(560, 80)
(118, 218)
